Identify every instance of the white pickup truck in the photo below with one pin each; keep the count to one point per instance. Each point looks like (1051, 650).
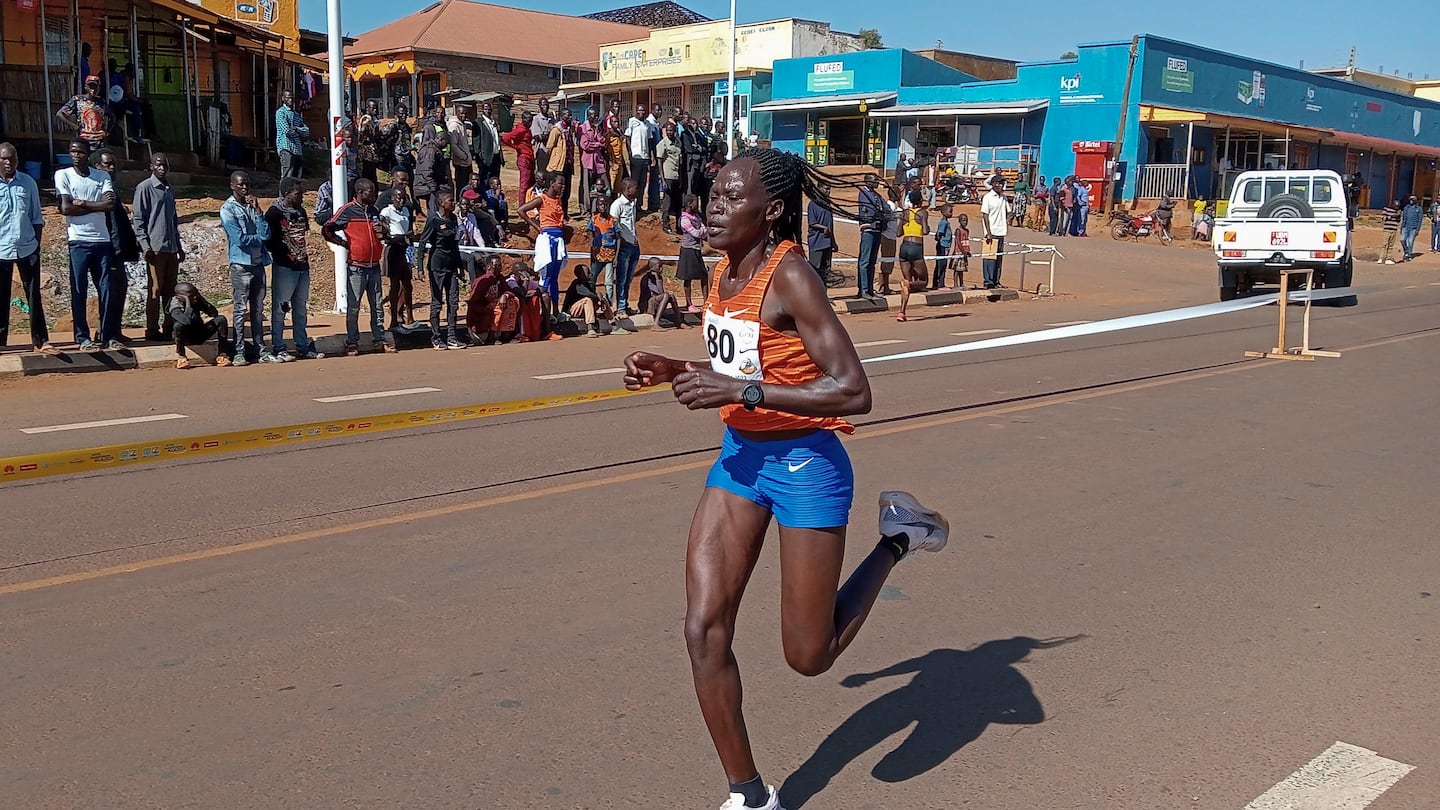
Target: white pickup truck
(1282, 219)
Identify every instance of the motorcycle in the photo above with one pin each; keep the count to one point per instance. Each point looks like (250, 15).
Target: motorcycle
(1124, 226)
(958, 190)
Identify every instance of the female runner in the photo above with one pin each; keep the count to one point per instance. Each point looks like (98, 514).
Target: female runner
(784, 375)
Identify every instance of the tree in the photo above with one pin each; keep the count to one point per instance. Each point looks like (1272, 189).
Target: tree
(870, 39)
(1069, 55)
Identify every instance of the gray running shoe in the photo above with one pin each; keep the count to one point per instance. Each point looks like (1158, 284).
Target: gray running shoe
(901, 513)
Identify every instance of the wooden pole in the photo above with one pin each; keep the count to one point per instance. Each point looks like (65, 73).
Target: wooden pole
(1120, 128)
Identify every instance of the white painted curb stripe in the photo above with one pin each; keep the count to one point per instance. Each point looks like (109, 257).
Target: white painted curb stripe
(870, 343)
(133, 420)
(378, 394)
(569, 374)
(1343, 777)
(974, 332)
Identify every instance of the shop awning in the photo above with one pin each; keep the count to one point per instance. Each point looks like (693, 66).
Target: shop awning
(382, 68)
(1279, 129)
(1382, 145)
(474, 98)
(828, 102)
(976, 108)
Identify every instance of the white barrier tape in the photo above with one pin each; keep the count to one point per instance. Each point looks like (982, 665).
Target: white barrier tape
(1025, 249)
(1119, 324)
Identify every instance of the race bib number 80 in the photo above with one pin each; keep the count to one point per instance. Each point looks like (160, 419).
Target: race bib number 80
(733, 346)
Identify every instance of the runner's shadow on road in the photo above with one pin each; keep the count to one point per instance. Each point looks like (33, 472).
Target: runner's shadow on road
(952, 698)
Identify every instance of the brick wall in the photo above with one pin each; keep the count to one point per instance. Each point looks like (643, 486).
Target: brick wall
(478, 74)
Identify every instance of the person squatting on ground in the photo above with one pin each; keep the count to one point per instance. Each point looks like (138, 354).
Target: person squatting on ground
(655, 299)
(21, 224)
(196, 321)
(784, 375)
(289, 273)
(440, 240)
(247, 232)
(357, 228)
(548, 226)
(583, 303)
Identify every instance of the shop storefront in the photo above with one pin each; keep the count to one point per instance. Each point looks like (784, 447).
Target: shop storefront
(830, 108)
(1194, 118)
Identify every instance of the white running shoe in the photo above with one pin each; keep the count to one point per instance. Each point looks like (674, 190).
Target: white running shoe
(901, 513)
(737, 801)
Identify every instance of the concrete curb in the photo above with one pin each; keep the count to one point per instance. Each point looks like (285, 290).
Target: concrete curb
(30, 364)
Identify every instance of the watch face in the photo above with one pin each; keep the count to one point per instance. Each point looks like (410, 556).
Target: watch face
(752, 395)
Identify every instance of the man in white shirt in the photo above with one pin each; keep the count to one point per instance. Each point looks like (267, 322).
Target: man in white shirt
(638, 141)
(86, 197)
(995, 220)
(461, 159)
(627, 253)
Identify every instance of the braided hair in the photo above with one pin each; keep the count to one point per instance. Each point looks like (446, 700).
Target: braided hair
(787, 177)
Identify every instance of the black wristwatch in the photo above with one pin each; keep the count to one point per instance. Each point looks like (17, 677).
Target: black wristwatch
(752, 397)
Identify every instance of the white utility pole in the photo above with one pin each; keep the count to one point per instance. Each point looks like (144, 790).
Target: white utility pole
(730, 90)
(337, 145)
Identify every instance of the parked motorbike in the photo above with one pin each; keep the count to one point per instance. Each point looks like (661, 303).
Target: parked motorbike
(1125, 225)
(958, 190)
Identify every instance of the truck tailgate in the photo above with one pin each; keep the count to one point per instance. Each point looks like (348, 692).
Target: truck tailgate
(1251, 240)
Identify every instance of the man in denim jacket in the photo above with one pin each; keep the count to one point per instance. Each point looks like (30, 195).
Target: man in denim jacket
(246, 231)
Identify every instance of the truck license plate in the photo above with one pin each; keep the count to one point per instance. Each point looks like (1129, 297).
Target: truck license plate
(1279, 238)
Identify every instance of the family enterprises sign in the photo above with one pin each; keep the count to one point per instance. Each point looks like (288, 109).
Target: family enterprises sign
(697, 50)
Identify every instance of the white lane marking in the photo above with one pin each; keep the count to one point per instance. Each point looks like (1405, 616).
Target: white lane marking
(569, 374)
(1068, 323)
(870, 343)
(1435, 284)
(974, 332)
(133, 420)
(1343, 777)
(399, 392)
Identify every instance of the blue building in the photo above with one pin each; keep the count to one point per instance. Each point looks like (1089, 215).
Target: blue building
(1193, 119)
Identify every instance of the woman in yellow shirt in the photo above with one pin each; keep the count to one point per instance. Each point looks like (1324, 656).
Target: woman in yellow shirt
(912, 250)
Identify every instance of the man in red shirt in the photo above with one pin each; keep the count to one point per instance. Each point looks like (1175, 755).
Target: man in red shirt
(521, 139)
(357, 228)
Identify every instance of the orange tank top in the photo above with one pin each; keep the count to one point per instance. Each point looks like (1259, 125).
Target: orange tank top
(743, 346)
(552, 212)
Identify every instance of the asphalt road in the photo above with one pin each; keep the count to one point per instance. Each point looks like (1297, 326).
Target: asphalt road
(1231, 563)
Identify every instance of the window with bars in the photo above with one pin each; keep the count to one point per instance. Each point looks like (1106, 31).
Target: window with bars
(668, 98)
(57, 42)
(505, 67)
(699, 106)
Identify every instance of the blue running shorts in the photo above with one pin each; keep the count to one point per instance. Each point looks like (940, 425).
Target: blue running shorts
(807, 483)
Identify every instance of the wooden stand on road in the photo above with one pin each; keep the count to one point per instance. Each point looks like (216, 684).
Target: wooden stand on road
(1303, 351)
